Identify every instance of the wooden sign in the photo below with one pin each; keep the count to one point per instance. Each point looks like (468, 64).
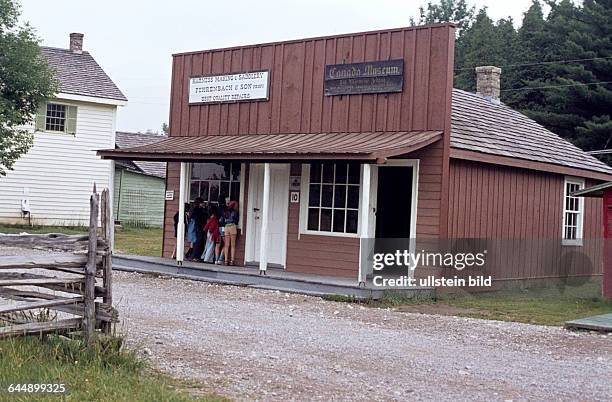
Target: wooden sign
(239, 87)
(364, 78)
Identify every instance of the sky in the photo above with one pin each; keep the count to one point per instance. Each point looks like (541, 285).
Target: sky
(133, 40)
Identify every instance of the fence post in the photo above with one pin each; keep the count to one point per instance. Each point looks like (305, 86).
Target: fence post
(89, 315)
(107, 232)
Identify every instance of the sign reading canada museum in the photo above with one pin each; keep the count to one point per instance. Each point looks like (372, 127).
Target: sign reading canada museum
(364, 78)
(229, 87)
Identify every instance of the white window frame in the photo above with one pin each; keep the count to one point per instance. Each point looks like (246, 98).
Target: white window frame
(305, 194)
(63, 133)
(580, 221)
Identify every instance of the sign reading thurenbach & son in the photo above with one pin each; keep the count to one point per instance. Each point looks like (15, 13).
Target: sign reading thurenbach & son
(229, 87)
(364, 78)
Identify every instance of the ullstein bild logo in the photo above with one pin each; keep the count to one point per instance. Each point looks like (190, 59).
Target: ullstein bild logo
(410, 261)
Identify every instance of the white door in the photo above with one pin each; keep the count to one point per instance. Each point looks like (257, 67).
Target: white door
(278, 214)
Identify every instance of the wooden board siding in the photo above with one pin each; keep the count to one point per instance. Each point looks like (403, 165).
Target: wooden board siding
(524, 208)
(58, 173)
(430, 192)
(297, 104)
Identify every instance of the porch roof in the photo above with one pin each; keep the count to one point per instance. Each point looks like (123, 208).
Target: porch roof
(364, 146)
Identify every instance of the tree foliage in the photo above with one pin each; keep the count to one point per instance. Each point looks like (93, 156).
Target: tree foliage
(556, 67)
(25, 81)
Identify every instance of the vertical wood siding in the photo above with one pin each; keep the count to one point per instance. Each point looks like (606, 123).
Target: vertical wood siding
(524, 209)
(297, 104)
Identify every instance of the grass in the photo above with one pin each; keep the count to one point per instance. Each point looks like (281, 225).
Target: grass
(544, 306)
(128, 240)
(139, 241)
(103, 372)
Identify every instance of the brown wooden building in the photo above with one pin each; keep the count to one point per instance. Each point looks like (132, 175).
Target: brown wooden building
(326, 141)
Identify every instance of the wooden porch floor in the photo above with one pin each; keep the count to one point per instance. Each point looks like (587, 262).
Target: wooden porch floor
(275, 279)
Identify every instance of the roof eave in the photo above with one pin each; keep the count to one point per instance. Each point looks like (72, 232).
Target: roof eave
(91, 99)
(458, 153)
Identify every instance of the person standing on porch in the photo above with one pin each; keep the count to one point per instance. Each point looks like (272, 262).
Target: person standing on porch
(213, 238)
(231, 232)
(198, 220)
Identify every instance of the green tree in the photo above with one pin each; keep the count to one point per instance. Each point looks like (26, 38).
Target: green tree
(570, 91)
(25, 81)
(456, 11)
(483, 43)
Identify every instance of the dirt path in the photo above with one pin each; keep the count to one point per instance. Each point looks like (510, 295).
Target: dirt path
(256, 344)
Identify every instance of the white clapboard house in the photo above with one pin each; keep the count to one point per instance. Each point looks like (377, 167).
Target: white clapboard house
(51, 184)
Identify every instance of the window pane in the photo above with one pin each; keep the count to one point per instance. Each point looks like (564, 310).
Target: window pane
(326, 220)
(328, 173)
(224, 190)
(214, 191)
(313, 218)
(195, 190)
(353, 197)
(340, 196)
(327, 194)
(236, 171)
(314, 196)
(339, 220)
(353, 173)
(204, 190)
(235, 191)
(212, 171)
(351, 221)
(341, 172)
(315, 173)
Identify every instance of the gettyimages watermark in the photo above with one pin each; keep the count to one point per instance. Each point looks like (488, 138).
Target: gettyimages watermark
(411, 260)
(474, 264)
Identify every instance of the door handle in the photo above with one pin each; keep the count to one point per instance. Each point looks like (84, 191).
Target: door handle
(256, 209)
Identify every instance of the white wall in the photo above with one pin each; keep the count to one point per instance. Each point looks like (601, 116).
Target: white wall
(58, 172)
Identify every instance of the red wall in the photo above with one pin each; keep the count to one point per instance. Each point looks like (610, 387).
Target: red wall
(297, 104)
(525, 208)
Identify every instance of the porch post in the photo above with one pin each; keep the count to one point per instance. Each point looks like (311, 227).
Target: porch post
(263, 246)
(365, 221)
(180, 229)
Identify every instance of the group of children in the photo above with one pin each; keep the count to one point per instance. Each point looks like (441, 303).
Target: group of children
(212, 231)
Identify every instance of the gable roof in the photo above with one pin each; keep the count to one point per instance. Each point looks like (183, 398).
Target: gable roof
(482, 126)
(125, 139)
(79, 74)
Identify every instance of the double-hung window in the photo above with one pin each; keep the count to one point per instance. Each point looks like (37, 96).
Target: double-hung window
(57, 118)
(573, 212)
(332, 199)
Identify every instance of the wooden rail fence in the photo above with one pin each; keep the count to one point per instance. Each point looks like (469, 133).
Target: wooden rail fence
(61, 287)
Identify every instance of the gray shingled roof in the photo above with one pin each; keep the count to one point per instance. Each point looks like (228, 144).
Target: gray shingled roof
(482, 126)
(125, 139)
(79, 74)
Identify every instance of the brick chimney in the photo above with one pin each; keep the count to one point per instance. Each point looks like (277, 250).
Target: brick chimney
(76, 42)
(487, 82)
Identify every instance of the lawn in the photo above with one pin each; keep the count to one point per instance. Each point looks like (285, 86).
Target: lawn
(545, 306)
(99, 373)
(128, 240)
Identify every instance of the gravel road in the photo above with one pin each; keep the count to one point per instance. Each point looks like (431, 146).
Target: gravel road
(252, 344)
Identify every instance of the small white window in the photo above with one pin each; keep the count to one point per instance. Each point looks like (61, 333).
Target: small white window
(573, 212)
(331, 198)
